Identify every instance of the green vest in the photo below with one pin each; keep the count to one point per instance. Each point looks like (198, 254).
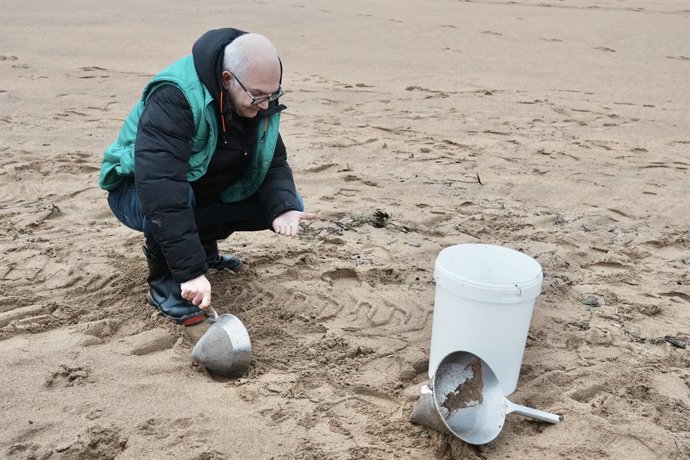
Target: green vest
(118, 158)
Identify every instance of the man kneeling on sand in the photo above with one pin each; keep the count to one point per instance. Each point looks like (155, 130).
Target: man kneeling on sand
(198, 158)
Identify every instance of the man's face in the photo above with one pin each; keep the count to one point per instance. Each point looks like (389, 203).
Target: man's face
(256, 82)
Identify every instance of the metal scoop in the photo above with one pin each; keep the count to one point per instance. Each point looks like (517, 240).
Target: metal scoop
(225, 348)
(466, 400)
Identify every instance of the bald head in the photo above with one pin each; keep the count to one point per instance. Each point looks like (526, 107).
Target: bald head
(250, 54)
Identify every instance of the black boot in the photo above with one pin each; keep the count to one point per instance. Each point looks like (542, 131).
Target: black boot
(217, 261)
(164, 292)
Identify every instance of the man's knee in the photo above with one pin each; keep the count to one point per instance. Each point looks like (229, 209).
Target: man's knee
(125, 205)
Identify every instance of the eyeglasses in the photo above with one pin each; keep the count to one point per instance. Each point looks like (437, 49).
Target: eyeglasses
(260, 99)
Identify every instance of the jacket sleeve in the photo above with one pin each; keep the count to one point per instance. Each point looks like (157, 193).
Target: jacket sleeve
(162, 152)
(277, 194)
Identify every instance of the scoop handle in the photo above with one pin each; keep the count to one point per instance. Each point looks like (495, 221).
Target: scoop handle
(212, 314)
(533, 413)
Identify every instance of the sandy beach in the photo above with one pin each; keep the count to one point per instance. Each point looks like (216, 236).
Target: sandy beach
(557, 128)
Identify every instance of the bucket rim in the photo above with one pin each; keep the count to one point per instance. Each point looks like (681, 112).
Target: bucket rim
(443, 269)
(443, 275)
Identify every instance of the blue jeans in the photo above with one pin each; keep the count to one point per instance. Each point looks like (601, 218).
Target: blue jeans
(215, 221)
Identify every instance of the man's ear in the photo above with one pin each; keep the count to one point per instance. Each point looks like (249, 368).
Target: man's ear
(226, 76)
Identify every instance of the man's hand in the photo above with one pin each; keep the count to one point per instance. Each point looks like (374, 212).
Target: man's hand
(288, 223)
(197, 291)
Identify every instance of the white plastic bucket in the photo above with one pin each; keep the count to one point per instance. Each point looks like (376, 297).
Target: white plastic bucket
(485, 295)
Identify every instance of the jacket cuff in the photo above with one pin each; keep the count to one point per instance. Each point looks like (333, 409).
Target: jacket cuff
(279, 209)
(182, 276)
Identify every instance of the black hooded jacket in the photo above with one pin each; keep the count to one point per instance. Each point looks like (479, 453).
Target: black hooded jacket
(163, 149)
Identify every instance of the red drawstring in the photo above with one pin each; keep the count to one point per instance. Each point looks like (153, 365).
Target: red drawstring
(222, 116)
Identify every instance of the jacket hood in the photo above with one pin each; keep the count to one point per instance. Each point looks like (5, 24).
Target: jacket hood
(208, 53)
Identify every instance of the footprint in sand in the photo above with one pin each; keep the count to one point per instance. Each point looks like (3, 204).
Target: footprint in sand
(588, 394)
(320, 167)
(161, 428)
(27, 450)
(354, 178)
(95, 442)
(276, 416)
(347, 192)
(93, 69)
(68, 376)
(100, 329)
(676, 295)
(26, 314)
(152, 341)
